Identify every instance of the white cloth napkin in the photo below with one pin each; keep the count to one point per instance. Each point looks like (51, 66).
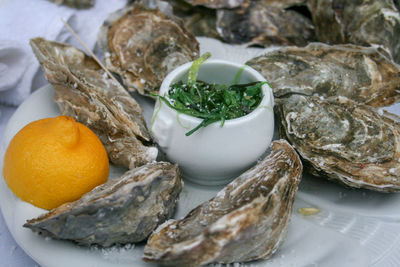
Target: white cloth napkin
(22, 20)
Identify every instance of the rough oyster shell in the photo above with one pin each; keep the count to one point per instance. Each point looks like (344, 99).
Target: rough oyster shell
(75, 3)
(200, 21)
(245, 221)
(217, 3)
(359, 22)
(123, 210)
(360, 73)
(143, 45)
(347, 142)
(266, 23)
(83, 91)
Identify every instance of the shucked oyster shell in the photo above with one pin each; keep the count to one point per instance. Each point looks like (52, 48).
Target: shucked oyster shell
(83, 91)
(360, 73)
(245, 221)
(143, 45)
(123, 210)
(362, 22)
(347, 142)
(266, 23)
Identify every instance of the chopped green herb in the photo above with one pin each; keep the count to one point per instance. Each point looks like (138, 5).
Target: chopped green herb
(212, 102)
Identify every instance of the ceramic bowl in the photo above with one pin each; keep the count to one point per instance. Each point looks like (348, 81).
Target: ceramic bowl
(214, 155)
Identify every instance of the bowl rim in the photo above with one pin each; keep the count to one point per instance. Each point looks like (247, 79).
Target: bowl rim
(267, 101)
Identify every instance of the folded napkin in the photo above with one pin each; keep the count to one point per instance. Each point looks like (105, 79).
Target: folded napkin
(22, 20)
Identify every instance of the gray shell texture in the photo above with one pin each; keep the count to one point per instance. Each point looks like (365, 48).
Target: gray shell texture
(362, 22)
(123, 210)
(200, 21)
(84, 92)
(247, 220)
(268, 22)
(143, 44)
(360, 73)
(347, 142)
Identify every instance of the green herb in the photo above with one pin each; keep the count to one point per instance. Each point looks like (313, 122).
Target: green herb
(194, 69)
(212, 102)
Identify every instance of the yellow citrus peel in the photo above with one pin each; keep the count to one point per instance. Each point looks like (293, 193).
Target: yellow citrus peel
(53, 161)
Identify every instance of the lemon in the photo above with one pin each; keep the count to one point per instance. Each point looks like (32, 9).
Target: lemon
(53, 161)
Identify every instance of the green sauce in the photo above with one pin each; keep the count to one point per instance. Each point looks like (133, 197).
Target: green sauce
(212, 102)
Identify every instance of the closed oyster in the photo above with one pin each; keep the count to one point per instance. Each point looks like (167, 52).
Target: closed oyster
(362, 22)
(200, 21)
(75, 3)
(245, 221)
(143, 45)
(360, 73)
(217, 3)
(266, 23)
(344, 141)
(123, 210)
(84, 92)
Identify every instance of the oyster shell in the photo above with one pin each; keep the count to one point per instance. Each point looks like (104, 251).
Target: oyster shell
(200, 21)
(347, 142)
(360, 73)
(83, 91)
(217, 3)
(75, 3)
(245, 221)
(266, 23)
(143, 45)
(362, 22)
(123, 210)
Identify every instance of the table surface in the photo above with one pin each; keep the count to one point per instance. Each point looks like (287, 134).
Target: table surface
(11, 255)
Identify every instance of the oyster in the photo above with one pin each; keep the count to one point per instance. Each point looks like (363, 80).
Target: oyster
(266, 23)
(360, 73)
(217, 3)
(362, 22)
(200, 21)
(245, 221)
(83, 91)
(347, 142)
(123, 210)
(143, 45)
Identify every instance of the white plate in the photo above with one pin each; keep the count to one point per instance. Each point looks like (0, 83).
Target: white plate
(353, 228)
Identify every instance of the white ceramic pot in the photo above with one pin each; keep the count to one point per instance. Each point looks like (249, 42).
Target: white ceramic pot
(214, 155)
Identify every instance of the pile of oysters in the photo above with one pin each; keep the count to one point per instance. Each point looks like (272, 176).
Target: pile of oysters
(335, 69)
